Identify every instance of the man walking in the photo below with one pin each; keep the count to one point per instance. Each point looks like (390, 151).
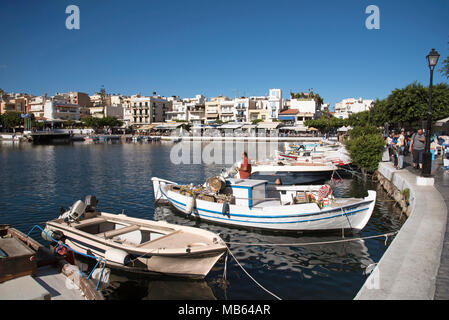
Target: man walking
(417, 145)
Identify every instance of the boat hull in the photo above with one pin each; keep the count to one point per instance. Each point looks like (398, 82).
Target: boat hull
(296, 218)
(288, 177)
(179, 251)
(184, 267)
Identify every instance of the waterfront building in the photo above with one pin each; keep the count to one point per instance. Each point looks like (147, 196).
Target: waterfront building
(346, 107)
(213, 107)
(14, 103)
(290, 117)
(178, 110)
(60, 110)
(275, 102)
(37, 106)
(196, 109)
(187, 109)
(241, 108)
(307, 108)
(145, 110)
(226, 111)
(261, 109)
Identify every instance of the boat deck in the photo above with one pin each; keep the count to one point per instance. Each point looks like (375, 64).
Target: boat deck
(176, 240)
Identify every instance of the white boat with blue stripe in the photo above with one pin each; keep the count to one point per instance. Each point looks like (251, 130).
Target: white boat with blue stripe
(254, 204)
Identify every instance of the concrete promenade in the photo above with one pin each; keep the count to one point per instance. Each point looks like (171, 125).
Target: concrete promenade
(246, 139)
(410, 268)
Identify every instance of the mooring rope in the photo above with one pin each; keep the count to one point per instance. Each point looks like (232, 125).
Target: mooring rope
(294, 244)
(60, 243)
(254, 280)
(311, 243)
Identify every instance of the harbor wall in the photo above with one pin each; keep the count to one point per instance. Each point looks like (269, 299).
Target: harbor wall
(409, 267)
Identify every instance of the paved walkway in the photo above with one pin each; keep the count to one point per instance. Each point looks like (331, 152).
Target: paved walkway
(410, 268)
(441, 177)
(442, 185)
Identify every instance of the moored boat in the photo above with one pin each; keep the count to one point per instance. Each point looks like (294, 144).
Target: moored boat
(136, 245)
(292, 172)
(244, 203)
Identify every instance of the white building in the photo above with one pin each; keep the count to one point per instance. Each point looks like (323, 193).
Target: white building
(346, 107)
(227, 111)
(275, 102)
(143, 110)
(61, 110)
(187, 109)
(37, 106)
(308, 109)
(196, 109)
(242, 107)
(178, 110)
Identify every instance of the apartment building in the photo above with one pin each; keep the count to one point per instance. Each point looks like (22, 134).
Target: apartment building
(346, 107)
(178, 110)
(226, 111)
(144, 110)
(187, 109)
(55, 109)
(213, 107)
(261, 109)
(307, 108)
(196, 109)
(15, 103)
(241, 108)
(275, 102)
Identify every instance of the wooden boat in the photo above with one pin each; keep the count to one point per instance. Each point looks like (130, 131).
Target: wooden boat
(244, 203)
(137, 245)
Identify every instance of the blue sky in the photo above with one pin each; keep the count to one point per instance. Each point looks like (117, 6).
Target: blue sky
(220, 47)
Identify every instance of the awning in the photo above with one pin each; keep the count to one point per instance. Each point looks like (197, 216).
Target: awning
(268, 125)
(147, 127)
(290, 118)
(231, 126)
(442, 122)
(249, 126)
(168, 126)
(304, 129)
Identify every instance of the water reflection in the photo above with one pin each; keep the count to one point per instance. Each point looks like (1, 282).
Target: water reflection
(37, 180)
(157, 289)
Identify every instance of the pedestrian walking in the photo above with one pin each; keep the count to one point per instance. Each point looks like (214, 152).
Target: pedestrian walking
(417, 146)
(400, 146)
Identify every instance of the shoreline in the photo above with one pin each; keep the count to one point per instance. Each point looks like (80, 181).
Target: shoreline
(408, 269)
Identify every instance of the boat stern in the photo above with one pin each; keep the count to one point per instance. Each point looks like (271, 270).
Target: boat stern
(362, 223)
(158, 183)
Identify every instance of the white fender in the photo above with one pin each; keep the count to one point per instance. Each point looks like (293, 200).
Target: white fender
(117, 256)
(190, 204)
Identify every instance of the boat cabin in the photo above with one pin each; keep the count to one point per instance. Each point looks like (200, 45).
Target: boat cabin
(248, 192)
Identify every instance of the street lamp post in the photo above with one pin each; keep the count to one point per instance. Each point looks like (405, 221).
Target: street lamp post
(432, 59)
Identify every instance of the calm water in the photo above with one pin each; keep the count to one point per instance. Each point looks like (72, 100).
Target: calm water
(35, 181)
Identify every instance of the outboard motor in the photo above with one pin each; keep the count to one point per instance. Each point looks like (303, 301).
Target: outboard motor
(91, 203)
(75, 212)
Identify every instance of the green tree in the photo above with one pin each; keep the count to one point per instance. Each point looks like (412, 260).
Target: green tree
(408, 105)
(444, 70)
(365, 146)
(10, 120)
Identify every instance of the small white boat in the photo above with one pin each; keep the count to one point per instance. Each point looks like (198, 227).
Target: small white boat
(292, 172)
(247, 203)
(137, 245)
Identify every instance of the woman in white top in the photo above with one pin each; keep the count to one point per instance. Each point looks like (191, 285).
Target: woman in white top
(400, 146)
